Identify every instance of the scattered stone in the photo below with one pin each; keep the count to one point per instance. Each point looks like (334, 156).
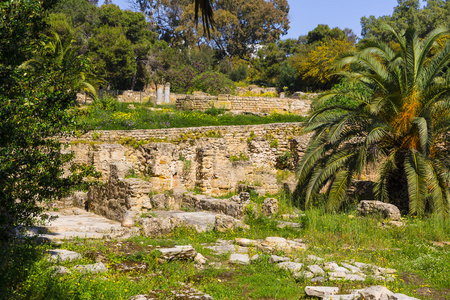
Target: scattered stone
(224, 246)
(317, 279)
(377, 292)
(281, 244)
(291, 266)
(341, 297)
(283, 224)
(224, 223)
(396, 223)
(289, 216)
(274, 259)
(314, 258)
(363, 265)
(241, 259)
(353, 269)
(128, 218)
(316, 270)
(321, 291)
(178, 253)
(156, 227)
(385, 210)
(398, 296)
(142, 297)
(200, 259)
(387, 271)
(269, 207)
(60, 270)
(93, 268)
(60, 255)
(190, 294)
(346, 276)
(304, 274)
(245, 242)
(254, 257)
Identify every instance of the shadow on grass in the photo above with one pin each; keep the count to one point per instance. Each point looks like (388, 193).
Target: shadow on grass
(16, 259)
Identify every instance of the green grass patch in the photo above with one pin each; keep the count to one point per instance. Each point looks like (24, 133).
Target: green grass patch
(416, 250)
(120, 117)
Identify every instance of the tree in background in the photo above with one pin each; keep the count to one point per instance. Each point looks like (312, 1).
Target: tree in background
(400, 122)
(408, 12)
(33, 111)
(238, 24)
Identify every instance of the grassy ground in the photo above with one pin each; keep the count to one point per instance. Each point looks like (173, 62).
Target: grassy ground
(111, 115)
(417, 251)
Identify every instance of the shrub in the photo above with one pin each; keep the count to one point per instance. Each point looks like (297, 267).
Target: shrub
(213, 83)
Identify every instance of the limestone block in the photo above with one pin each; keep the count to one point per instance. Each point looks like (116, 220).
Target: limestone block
(269, 207)
(59, 255)
(376, 293)
(274, 259)
(178, 253)
(93, 268)
(241, 259)
(156, 227)
(385, 210)
(224, 223)
(321, 291)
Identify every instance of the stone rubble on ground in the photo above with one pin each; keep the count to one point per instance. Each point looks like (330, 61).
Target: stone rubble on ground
(92, 268)
(240, 259)
(177, 253)
(378, 208)
(377, 292)
(61, 255)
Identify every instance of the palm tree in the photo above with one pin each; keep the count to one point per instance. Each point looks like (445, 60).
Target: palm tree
(71, 68)
(205, 7)
(402, 125)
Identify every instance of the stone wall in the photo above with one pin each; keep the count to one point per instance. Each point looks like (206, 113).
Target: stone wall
(244, 104)
(214, 159)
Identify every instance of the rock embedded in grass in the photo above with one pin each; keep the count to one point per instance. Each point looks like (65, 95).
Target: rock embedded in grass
(291, 266)
(92, 268)
(63, 255)
(178, 253)
(377, 292)
(316, 270)
(378, 208)
(274, 259)
(241, 259)
(321, 291)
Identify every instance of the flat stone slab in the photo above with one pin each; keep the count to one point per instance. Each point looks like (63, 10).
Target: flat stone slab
(178, 253)
(341, 297)
(274, 259)
(291, 266)
(241, 259)
(224, 246)
(201, 220)
(316, 270)
(77, 223)
(59, 255)
(321, 291)
(93, 268)
(346, 276)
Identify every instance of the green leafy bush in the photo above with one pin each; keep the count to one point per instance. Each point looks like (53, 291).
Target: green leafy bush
(213, 83)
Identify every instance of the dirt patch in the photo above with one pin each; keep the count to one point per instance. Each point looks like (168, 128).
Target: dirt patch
(433, 293)
(411, 279)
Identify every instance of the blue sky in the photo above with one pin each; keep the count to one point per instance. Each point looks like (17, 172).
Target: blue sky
(306, 15)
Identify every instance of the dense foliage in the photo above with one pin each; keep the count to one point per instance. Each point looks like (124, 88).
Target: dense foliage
(33, 110)
(399, 121)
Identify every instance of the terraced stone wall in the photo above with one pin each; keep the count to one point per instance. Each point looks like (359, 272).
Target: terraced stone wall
(244, 104)
(214, 159)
